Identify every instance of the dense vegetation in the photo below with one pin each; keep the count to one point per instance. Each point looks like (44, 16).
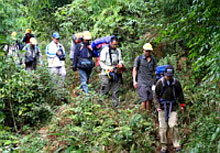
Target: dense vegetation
(37, 116)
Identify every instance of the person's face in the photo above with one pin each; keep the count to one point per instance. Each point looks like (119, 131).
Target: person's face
(32, 45)
(147, 53)
(169, 77)
(78, 41)
(56, 40)
(114, 44)
(86, 41)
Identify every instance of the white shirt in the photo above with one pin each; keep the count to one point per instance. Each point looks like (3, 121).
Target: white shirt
(51, 50)
(105, 62)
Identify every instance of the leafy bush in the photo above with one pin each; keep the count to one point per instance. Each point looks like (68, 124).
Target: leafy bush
(87, 126)
(26, 97)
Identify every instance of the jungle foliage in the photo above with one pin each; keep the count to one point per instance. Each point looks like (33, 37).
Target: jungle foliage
(187, 29)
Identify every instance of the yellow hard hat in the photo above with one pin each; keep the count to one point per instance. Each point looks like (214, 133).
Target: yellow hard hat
(148, 46)
(13, 34)
(87, 35)
(28, 31)
(33, 41)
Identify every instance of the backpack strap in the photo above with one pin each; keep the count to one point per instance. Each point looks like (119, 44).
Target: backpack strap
(81, 47)
(166, 102)
(110, 54)
(139, 61)
(173, 85)
(164, 83)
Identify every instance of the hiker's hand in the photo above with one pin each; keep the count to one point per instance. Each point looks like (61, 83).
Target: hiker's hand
(59, 53)
(135, 84)
(90, 47)
(159, 110)
(182, 108)
(74, 69)
(120, 65)
(111, 69)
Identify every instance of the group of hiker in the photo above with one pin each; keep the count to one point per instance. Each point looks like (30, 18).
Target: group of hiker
(162, 88)
(167, 94)
(32, 55)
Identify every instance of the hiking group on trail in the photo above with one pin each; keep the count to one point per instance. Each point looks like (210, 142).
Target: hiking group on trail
(153, 83)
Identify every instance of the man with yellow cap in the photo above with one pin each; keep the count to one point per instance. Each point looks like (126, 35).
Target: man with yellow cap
(28, 35)
(82, 60)
(143, 76)
(32, 55)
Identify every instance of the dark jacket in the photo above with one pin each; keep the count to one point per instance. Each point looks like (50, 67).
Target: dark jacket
(27, 38)
(168, 93)
(82, 51)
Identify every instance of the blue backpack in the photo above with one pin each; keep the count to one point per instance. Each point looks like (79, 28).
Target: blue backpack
(99, 43)
(160, 71)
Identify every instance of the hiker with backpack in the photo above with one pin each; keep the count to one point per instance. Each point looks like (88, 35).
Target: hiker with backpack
(82, 60)
(168, 96)
(28, 35)
(112, 67)
(32, 55)
(14, 49)
(56, 58)
(98, 44)
(77, 38)
(144, 76)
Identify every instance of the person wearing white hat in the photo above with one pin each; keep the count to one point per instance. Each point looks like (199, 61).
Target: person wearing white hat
(144, 76)
(32, 55)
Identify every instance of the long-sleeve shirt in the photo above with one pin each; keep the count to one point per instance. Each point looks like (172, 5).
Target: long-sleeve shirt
(168, 93)
(82, 51)
(51, 52)
(72, 50)
(105, 61)
(33, 52)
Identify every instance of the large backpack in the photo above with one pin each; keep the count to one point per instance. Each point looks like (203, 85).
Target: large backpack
(31, 55)
(99, 43)
(160, 71)
(165, 102)
(165, 86)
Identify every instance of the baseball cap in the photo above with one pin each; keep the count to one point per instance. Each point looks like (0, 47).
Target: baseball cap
(56, 35)
(169, 71)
